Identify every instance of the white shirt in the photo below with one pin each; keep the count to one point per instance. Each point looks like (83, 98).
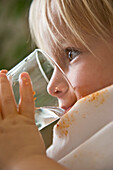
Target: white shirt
(83, 137)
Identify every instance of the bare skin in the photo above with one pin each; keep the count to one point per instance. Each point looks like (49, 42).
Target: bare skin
(21, 145)
(87, 70)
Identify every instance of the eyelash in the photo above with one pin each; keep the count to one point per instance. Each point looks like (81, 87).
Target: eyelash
(71, 56)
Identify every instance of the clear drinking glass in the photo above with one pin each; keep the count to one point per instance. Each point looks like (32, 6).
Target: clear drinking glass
(40, 67)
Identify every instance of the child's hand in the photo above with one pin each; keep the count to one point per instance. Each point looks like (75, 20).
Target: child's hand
(19, 137)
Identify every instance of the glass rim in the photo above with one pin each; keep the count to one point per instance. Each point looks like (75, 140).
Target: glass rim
(47, 55)
(35, 51)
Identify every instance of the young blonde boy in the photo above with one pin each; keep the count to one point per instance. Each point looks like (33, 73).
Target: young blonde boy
(79, 36)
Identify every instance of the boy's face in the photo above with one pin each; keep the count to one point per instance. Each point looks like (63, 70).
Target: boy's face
(88, 71)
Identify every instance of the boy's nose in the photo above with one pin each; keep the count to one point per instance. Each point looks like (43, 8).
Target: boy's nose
(58, 85)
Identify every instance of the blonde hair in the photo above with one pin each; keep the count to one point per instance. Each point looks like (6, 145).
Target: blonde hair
(84, 18)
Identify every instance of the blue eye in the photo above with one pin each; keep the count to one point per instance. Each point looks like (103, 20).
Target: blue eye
(72, 53)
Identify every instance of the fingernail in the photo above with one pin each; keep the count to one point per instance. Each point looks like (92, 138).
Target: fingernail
(3, 71)
(24, 78)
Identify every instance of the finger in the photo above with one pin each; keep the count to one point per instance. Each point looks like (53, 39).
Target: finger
(4, 71)
(0, 112)
(8, 104)
(26, 106)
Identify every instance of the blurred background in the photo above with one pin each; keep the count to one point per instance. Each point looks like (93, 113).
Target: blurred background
(15, 40)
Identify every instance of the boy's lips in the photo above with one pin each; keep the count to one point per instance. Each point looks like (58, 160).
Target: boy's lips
(66, 109)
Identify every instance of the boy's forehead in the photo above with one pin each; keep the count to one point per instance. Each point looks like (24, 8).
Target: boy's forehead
(55, 24)
(54, 8)
(55, 17)
(57, 27)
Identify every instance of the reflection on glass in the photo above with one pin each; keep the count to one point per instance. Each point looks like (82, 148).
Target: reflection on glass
(40, 67)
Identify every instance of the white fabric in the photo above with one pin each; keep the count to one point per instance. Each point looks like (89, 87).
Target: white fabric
(82, 139)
